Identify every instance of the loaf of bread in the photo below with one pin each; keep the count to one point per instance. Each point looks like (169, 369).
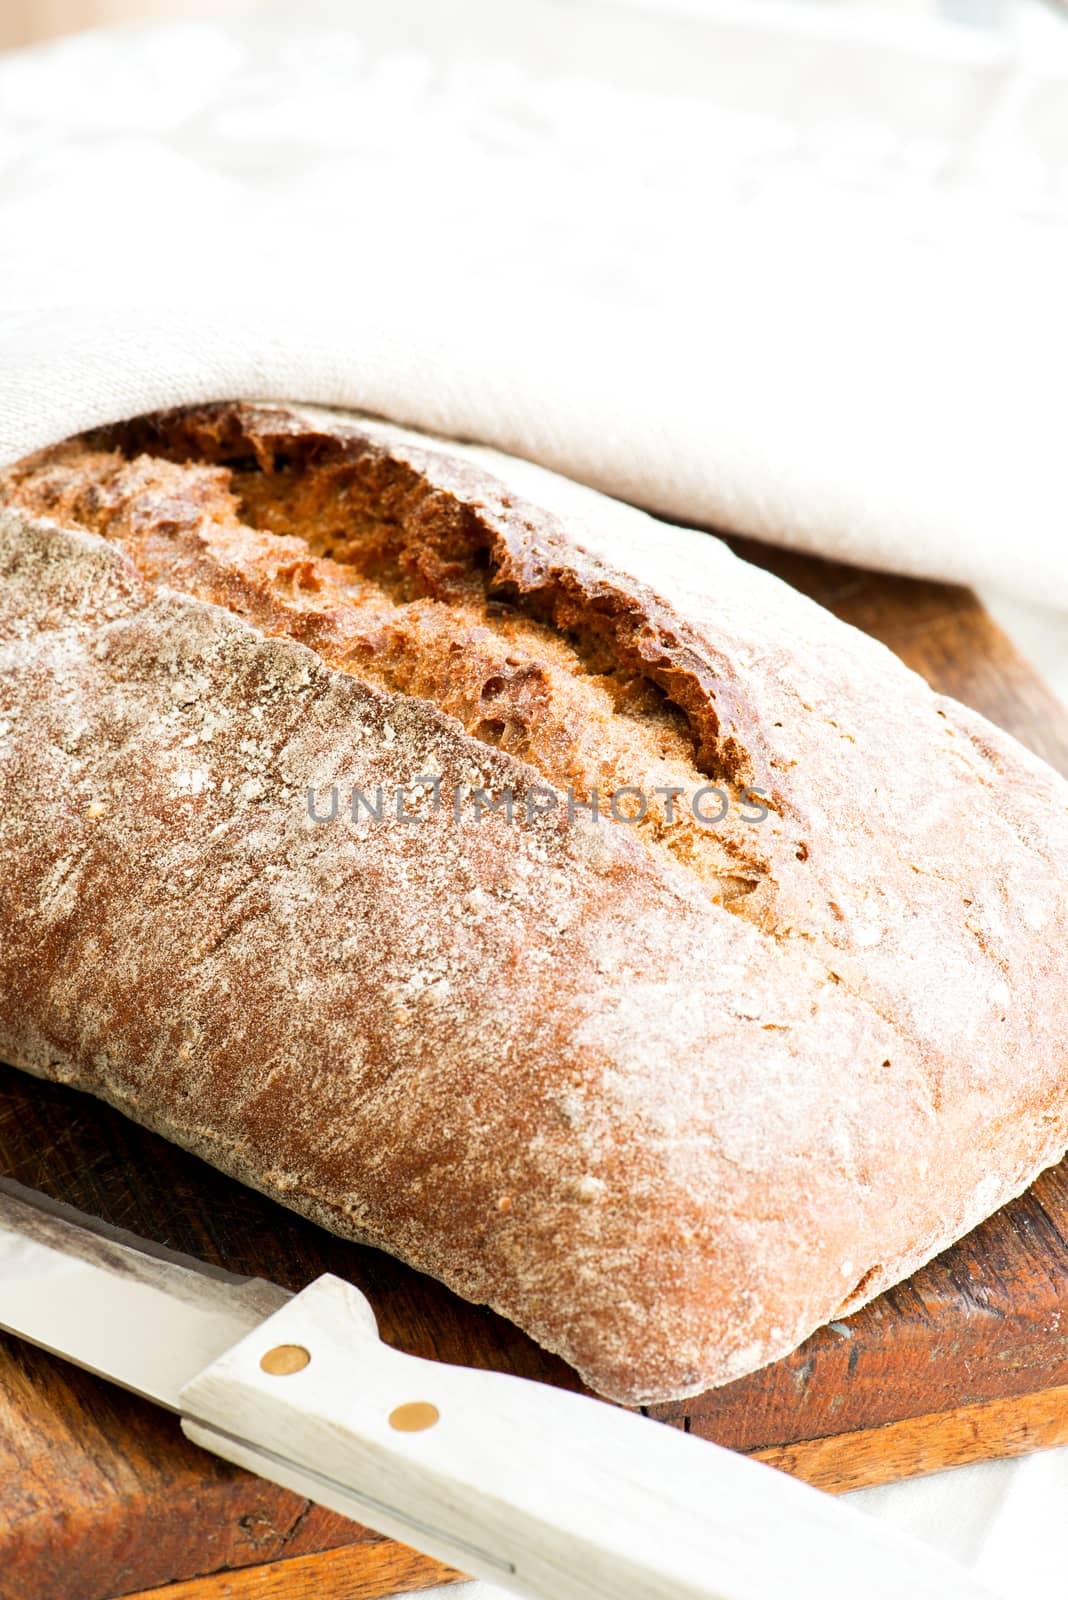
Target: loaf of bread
(304, 722)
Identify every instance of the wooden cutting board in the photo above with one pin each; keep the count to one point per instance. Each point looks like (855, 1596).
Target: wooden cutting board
(100, 1495)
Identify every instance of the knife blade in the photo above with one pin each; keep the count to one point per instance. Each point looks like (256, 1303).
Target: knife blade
(548, 1493)
(134, 1312)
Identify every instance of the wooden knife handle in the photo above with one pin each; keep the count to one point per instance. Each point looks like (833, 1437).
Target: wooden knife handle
(542, 1491)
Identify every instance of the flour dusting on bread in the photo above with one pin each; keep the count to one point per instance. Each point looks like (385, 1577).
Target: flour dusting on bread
(669, 1096)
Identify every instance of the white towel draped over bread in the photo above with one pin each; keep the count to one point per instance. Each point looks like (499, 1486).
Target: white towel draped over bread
(750, 266)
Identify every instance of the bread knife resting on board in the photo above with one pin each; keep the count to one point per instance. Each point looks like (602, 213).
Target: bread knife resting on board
(544, 1492)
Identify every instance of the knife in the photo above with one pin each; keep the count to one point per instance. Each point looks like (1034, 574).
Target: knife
(545, 1492)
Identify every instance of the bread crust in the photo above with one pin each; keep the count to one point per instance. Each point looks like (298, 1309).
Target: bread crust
(667, 1131)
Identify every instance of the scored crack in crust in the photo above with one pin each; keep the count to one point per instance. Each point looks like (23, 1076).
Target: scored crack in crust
(361, 560)
(668, 1096)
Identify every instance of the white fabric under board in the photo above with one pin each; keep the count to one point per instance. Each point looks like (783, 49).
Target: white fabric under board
(753, 265)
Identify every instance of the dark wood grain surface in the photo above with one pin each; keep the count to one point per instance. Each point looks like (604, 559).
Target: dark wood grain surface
(102, 1497)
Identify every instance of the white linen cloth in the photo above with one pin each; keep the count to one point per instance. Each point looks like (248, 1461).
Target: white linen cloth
(754, 266)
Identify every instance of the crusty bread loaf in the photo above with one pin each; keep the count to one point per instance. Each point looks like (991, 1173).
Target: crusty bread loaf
(670, 1089)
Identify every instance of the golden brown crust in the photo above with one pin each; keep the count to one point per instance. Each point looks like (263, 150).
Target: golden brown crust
(669, 1098)
(400, 594)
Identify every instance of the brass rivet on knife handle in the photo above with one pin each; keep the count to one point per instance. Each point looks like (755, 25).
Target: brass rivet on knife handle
(283, 1359)
(413, 1416)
